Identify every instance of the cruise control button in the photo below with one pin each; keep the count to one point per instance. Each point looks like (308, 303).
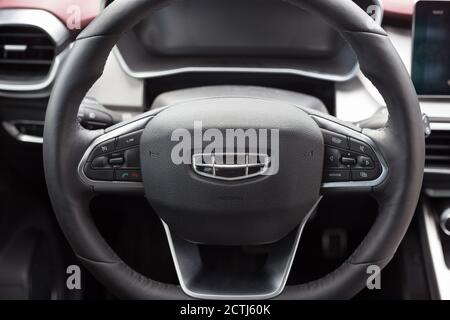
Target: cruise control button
(335, 139)
(337, 176)
(361, 147)
(348, 161)
(104, 148)
(129, 175)
(332, 158)
(98, 175)
(129, 140)
(364, 175)
(365, 162)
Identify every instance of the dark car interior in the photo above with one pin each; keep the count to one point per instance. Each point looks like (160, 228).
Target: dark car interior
(358, 90)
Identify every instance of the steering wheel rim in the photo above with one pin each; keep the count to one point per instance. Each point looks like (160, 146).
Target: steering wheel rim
(401, 143)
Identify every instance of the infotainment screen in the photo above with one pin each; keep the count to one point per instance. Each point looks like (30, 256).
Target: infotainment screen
(431, 49)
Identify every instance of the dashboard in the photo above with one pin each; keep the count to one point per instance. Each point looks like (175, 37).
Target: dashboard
(150, 59)
(273, 39)
(146, 62)
(273, 47)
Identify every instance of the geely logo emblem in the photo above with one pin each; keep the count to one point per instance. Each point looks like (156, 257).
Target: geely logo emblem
(231, 167)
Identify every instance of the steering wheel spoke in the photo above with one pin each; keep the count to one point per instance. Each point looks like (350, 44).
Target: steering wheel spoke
(111, 163)
(211, 272)
(352, 160)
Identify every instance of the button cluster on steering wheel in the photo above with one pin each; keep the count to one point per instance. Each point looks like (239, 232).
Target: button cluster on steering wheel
(348, 159)
(117, 159)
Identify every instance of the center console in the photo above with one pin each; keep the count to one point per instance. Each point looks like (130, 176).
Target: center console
(430, 72)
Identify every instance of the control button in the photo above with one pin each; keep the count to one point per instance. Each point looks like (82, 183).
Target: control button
(361, 147)
(337, 176)
(332, 158)
(100, 163)
(129, 140)
(129, 175)
(335, 139)
(346, 161)
(104, 148)
(132, 158)
(365, 162)
(98, 175)
(364, 175)
(116, 161)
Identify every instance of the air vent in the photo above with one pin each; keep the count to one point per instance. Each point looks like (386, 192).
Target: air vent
(438, 150)
(26, 54)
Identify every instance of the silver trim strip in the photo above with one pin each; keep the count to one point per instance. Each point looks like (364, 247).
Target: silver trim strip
(433, 243)
(444, 171)
(11, 128)
(440, 126)
(155, 74)
(445, 216)
(434, 193)
(48, 23)
(284, 276)
(15, 47)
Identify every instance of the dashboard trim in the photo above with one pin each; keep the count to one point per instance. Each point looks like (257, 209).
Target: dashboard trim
(155, 74)
(11, 128)
(298, 72)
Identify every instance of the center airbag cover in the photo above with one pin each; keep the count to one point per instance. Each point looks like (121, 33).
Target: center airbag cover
(260, 209)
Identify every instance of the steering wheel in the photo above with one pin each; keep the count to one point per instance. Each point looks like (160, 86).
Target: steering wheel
(202, 202)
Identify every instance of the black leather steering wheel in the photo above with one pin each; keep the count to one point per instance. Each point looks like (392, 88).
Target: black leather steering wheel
(397, 152)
